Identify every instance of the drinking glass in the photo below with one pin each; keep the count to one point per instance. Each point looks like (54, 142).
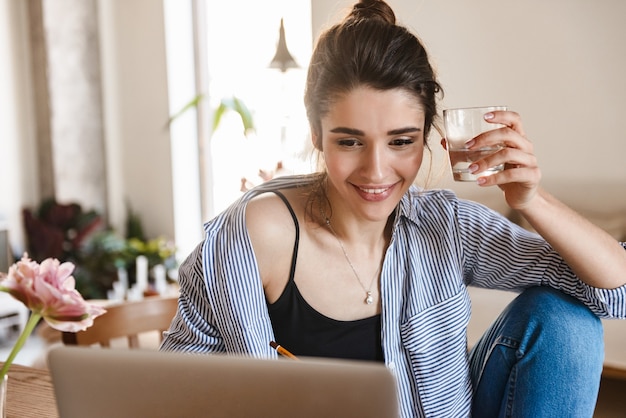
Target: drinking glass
(461, 125)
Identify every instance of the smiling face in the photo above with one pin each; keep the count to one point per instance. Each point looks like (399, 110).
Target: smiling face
(373, 143)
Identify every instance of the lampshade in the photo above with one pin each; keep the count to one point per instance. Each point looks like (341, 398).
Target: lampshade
(283, 59)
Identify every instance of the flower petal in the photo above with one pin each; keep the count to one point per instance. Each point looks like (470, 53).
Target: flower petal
(49, 289)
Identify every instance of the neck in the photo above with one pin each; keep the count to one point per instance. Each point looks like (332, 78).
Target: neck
(368, 238)
(354, 231)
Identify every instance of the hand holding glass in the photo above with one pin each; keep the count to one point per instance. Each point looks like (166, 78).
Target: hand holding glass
(461, 126)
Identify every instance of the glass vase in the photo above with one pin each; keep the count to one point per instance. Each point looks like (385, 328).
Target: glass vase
(3, 395)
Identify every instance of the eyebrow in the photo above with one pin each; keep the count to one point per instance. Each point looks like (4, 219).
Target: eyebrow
(358, 132)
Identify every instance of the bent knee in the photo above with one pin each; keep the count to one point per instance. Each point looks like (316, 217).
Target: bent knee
(562, 316)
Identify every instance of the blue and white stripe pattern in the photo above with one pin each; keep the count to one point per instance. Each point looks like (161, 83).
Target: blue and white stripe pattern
(440, 245)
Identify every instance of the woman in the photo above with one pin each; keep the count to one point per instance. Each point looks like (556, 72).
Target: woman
(356, 262)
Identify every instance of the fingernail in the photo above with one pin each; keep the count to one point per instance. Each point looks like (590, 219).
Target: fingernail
(481, 180)
(472, 168)
(470, 143)
(489, 116)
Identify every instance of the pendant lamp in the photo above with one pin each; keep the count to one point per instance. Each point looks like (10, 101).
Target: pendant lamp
(283, 59)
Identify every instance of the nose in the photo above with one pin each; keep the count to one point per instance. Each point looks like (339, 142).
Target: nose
(374, 163)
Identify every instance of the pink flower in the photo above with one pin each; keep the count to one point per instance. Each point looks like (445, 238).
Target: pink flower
(48, 289)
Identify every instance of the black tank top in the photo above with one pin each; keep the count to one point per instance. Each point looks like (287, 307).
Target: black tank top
(305, 332)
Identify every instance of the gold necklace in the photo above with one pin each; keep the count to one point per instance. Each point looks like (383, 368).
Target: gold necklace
(369, 299)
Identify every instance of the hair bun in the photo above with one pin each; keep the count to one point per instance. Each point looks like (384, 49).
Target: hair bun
(373, 9)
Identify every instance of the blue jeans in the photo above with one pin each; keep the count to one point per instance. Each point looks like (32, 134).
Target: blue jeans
(541, 358)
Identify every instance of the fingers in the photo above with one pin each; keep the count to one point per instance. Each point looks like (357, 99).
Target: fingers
(507, 118)
(510, 157)
(519, 166)
(508, 131)
(531, 176)
(518, 157)
(521, 175)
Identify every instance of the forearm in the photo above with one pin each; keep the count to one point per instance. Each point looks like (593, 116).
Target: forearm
(596, 257)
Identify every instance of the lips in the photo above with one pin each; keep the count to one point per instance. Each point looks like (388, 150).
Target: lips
(374, 193)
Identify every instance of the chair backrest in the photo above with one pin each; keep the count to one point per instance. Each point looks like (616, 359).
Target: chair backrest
(127, 321)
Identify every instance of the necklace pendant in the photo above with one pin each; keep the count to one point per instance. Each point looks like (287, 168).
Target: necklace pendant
(369, 299)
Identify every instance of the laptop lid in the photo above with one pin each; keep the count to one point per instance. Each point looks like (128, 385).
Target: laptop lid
(94, 382)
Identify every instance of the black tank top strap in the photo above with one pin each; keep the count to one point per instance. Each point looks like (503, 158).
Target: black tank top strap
(294, 257)
(306, 332)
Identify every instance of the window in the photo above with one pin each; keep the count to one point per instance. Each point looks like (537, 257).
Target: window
(234, 43)
(241, 40)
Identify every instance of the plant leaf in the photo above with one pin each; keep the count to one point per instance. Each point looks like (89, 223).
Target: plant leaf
(246, 116)
(193, 103)
(228, 103)
(217, 115)
(237, 105)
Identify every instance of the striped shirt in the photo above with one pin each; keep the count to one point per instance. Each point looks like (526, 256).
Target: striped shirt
(440, 245)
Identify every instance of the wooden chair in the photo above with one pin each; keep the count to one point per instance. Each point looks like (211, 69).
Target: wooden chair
(127, 321)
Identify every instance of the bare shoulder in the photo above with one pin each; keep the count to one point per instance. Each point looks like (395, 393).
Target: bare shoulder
(267, 217)
(272, 233)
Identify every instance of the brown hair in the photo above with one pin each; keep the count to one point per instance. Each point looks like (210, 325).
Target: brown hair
(369, 49)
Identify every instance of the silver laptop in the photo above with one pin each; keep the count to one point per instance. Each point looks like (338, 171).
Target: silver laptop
(94, 382)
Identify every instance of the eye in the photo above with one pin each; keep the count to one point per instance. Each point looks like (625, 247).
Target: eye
(348, 142)
(402, 142)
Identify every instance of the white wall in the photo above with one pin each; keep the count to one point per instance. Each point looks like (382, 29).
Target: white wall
(18, 172)
(559, 63)
(136, 110)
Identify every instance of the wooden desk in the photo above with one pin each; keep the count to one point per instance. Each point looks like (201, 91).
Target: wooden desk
(30, 393)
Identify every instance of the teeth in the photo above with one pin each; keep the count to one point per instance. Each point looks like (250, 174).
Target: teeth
(373, 191)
